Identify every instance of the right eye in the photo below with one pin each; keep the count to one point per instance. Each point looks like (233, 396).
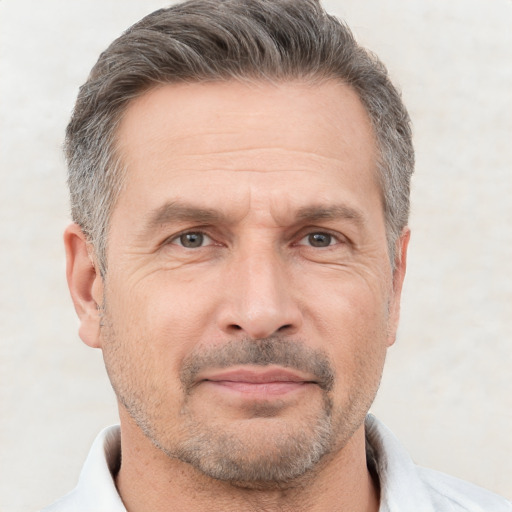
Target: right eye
(192, 240)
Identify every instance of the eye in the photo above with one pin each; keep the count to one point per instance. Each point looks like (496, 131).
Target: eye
(192, 240)
(319, 240)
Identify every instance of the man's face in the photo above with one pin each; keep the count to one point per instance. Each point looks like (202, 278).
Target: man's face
(249, 298)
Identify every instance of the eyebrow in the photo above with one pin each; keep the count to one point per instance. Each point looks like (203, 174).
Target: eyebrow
(178, 212)
(182, 212)
(334, 212)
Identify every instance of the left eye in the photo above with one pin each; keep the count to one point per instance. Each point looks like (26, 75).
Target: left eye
(192, 239)
(318, 240)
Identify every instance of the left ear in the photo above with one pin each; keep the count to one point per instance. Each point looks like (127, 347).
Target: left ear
(398, 280)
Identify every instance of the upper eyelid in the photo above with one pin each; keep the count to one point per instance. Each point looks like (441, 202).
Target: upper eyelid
(312, 230)
(295, 238)
(205, 235)
(202, 230)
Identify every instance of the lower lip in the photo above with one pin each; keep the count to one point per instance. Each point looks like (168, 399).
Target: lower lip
(259, 388)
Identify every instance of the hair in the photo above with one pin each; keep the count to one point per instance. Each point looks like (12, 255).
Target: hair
(221, 40)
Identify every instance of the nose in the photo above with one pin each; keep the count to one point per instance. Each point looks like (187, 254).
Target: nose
(258, 298)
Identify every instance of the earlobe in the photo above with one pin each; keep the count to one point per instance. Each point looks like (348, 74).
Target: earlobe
(85, 284)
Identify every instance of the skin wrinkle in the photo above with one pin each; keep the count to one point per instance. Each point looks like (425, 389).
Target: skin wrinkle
(189, 258)
(383, 107)
(166, 303)
(354, 267)
(305, 213)
(176, 211)
(349, 266)
(200, 155)
(356, 214)
(228, 158)
(208, 167)
(325, 96)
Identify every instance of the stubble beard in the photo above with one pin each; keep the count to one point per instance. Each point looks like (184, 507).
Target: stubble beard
(271, 458)
(277, 457)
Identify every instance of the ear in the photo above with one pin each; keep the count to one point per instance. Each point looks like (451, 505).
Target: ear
(401, 247)
(85, 284)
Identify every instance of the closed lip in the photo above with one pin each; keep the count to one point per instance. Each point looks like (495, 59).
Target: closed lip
(257, 376)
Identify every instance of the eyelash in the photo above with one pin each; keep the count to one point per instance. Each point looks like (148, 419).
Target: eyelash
(200, 232)
(332, 236)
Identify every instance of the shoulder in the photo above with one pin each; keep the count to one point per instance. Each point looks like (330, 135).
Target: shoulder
(408, 487)
(450, 493)
(96, 490)
(67, 503)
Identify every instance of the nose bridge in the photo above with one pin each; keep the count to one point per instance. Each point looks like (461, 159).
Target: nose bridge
(261, 300)
(264, 282)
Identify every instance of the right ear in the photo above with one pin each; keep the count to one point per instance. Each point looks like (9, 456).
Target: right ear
(85, 284)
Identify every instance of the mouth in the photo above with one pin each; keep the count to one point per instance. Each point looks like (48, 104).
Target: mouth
(257, 382)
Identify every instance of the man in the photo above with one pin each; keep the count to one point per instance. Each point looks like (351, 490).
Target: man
(239, 175)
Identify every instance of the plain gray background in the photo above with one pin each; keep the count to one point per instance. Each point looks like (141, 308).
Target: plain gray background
(446, 391)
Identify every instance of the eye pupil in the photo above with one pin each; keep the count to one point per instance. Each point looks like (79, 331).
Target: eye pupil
(192, 240)
(320, 239)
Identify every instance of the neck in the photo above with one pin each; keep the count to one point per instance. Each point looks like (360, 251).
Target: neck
(149, 480)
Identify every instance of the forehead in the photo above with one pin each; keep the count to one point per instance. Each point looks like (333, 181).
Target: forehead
(182, 139)
(319, 111)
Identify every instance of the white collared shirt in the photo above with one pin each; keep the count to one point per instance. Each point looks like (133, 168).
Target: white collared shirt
(405, 487)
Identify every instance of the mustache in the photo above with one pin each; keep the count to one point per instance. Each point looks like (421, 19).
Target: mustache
(292, 354)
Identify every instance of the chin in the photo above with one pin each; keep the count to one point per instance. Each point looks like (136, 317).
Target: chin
(258, 453)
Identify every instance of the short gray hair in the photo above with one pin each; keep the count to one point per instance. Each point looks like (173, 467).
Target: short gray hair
(214, 40)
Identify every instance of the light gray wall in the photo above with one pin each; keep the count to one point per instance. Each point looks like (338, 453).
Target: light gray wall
(447, 388)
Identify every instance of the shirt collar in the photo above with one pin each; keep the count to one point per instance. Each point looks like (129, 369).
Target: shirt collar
(400, 487)
(96, 487)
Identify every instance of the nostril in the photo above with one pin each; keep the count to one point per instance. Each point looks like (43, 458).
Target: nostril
(283, 327)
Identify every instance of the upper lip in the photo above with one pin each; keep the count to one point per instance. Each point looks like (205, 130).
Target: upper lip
(255, 375)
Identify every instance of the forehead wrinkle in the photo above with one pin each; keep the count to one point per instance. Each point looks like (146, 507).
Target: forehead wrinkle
(177, 211)
(314, 154)
(312, 213)
(258, 161)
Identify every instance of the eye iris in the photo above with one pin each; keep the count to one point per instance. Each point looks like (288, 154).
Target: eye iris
(192, 240)
(320, 239)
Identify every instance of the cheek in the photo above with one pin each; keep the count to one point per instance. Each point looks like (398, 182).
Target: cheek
(349, 309)
(142, 373)
(161, 304)
(351, 322)
(359, 350)
(358, 353)
(153, 326)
